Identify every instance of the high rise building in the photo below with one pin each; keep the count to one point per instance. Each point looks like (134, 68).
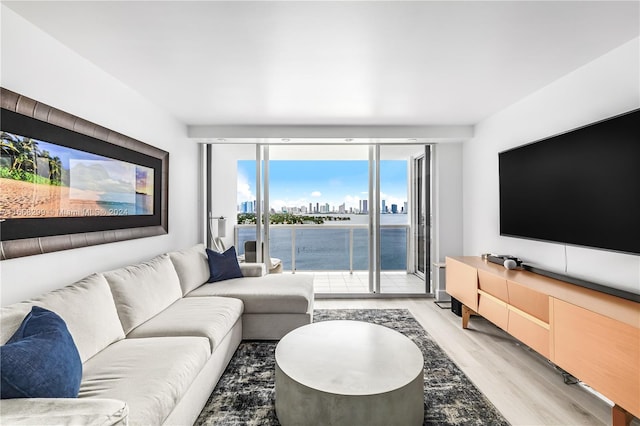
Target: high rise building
(247, 207)
(342, 208)
(405, 210)
(384, 206)
(310, 208)
(394, 208)
(365, 207)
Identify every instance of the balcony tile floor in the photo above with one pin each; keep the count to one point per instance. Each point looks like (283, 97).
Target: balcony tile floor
(358, 282)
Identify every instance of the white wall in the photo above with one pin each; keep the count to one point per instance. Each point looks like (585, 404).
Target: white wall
(38, 66)
(224, 187)
(447, 199)
(600, 89)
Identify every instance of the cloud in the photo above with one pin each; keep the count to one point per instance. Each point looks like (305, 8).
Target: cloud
(352, 201)
(106, 180)
(244, 189)
(316, 194)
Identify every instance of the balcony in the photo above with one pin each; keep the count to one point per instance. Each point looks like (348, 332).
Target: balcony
(337, 255)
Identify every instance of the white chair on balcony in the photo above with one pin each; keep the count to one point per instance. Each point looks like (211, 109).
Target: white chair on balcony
(274, 264)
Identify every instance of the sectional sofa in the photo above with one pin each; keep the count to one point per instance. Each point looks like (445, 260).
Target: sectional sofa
(154, 337)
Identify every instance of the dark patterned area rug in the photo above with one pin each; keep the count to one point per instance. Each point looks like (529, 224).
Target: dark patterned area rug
(245, 393)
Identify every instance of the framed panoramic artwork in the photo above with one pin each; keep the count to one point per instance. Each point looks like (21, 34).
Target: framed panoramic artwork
(68, 183)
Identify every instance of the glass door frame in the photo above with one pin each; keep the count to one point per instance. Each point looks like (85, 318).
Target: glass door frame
(422, 189)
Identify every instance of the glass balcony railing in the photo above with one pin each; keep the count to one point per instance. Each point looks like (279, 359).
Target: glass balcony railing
(329, 247)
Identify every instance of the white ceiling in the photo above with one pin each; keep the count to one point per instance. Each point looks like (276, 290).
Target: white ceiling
(336, 63)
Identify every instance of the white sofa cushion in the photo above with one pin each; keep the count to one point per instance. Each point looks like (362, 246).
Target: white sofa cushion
(151, 375)
(143, 290)
(64, 411)
(191, 266)
(210, 317)
(87, 307)
(275, 293)
(253, 269)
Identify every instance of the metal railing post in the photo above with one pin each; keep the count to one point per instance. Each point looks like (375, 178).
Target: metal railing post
(293, 249)
(351, 251)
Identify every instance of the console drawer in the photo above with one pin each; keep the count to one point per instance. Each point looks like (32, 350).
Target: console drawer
(529, 301)
(530, 331)
(494, 285)
(493, 309)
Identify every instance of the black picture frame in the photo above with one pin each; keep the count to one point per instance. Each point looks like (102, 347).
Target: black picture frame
(33, 234)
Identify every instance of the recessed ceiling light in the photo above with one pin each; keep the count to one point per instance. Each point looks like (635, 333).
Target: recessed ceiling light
(413, 140)
(285, 140)
(221, 139)
(348, 139)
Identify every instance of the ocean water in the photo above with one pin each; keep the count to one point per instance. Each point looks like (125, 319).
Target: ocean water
(318, 249)
(142, 206)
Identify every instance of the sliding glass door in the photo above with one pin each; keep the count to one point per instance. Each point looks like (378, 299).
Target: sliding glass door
(397, 223)
(347, 214)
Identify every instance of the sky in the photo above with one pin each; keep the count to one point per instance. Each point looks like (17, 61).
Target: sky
(296, 183)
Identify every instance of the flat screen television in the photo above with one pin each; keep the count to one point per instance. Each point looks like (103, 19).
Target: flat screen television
(580, 188)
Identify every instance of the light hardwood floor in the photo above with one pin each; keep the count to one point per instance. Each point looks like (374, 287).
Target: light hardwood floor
(523, 385)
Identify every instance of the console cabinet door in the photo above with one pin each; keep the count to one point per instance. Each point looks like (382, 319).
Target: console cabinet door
(462, 283)
(600, 351)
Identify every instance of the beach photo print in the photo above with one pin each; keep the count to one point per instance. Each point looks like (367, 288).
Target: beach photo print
(43, 179)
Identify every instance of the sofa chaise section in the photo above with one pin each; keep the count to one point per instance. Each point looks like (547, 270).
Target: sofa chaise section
(274, 304)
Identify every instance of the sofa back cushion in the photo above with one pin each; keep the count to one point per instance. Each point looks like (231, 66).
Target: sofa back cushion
(192, 267)
(144, 290)
(87, 307)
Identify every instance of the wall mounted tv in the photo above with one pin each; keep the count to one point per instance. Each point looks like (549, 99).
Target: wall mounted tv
(579, 188)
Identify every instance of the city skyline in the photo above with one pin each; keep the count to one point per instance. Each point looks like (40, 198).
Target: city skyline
(322, 208)
(340, 184)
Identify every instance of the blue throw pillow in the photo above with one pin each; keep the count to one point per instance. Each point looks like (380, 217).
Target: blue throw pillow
(41, 359)
(223, 266)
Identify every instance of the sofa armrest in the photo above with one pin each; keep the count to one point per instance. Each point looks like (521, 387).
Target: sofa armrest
(253, 269)
(64, 411)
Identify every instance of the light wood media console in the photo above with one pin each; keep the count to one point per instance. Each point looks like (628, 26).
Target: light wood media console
(592, 335)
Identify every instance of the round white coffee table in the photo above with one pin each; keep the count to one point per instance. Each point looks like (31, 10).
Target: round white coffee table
(348, 373)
